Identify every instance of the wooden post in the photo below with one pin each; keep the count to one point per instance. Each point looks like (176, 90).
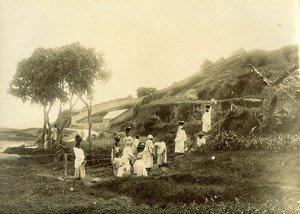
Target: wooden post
(65, 165)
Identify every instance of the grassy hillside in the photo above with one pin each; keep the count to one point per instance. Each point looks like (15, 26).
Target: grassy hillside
(219, 79)
(228, 79)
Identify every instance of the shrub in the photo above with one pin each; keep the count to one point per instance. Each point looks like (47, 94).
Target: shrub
(278, 142)
(227, 140)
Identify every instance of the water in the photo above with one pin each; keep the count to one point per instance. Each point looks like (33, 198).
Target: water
(4, 144)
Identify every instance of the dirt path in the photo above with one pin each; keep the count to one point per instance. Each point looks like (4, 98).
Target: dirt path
(29, 187)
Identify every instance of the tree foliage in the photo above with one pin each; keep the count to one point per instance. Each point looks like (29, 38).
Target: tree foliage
(57, 74)
(82, 68)
(36, 78)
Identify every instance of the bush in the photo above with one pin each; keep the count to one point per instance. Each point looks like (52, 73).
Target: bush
(227, 140)
(230, 140)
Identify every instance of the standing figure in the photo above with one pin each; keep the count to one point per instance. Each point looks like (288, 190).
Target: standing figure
(206, 119)
(180, 138)
(79, 159)
(54, 134)
(161, 153)
(116, 163)
(125, 161)
(46, 140)
(148, 153)
(115, 149)
(134, 145)
(139, 168)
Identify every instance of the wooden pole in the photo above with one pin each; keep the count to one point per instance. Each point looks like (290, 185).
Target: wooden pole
(65, 165)
(190, 147)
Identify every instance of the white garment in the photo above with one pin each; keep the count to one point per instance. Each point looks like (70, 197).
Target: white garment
(201, 141)
(148, 154)
(125, 161)
(139, 168)
(206, 121)
(79, 157)
(124, 167)
(134, 146)
(179, 140)
(54, 133)
(116, 165)
(161, 152)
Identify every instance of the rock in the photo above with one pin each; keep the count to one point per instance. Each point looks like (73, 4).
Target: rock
(71, 189)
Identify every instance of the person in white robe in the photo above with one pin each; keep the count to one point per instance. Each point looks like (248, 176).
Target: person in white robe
(79, 159)
(139, 168)
(54, 134)
(115, 149)
(180, 138)
(148, 153)
(125, 167)
(134, 145)
(200, 139)
(206, 119)
(161, 153)
(116, 163)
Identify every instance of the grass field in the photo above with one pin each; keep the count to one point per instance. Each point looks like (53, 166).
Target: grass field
(241, 181)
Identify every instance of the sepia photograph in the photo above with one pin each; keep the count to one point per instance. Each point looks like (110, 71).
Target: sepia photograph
(148, 106)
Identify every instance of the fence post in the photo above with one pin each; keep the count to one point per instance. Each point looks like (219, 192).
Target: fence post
(65, 164)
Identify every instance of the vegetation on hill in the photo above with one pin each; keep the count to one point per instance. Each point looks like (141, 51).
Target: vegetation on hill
(227, 80)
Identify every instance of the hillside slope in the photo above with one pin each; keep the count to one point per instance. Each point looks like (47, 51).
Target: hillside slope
(232, 77)
(228, 80)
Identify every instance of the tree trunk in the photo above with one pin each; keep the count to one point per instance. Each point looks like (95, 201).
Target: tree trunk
(44, 125)
(90, 126)
(49, 125)
(60, 124)
(90, 123)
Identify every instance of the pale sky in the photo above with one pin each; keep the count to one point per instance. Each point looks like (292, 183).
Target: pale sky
(146, 43)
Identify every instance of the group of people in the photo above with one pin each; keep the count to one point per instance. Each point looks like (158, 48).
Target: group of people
(206, 127)
(131, 156)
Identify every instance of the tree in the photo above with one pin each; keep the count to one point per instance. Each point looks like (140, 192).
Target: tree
(142, 91)
(206, 63)
(37, 80)
(83, 68)
(273, 90)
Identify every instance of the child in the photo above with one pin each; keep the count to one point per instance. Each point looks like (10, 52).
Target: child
(161, 152)
(200, 139)
(116, 163)
(139, 168)
(115, 148)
